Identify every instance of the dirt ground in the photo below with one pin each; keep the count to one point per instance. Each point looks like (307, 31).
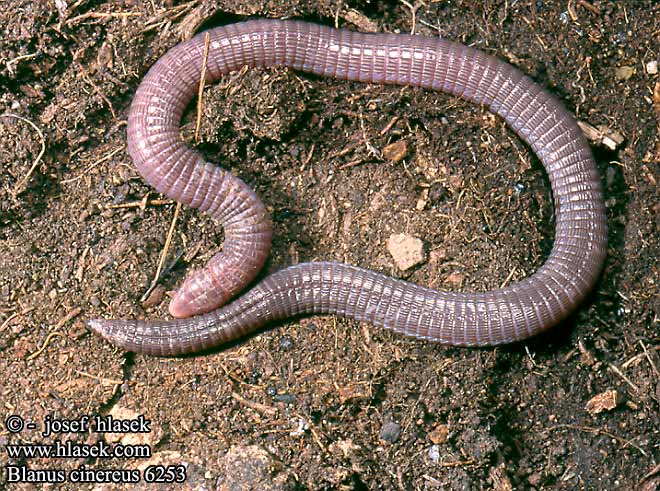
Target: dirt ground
(325, 403)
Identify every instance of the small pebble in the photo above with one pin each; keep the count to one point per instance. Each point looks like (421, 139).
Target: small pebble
(286, 343)
(652, 67)
(439, 434)
(300, 427)
(434, 454)
(406, 250)
(390, 432)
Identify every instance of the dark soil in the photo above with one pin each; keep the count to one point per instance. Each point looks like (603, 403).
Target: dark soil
(325, 403)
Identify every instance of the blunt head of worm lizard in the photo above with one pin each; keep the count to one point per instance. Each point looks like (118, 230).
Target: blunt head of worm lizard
(512, 313)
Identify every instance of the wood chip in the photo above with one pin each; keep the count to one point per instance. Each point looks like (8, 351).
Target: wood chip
(602, 135)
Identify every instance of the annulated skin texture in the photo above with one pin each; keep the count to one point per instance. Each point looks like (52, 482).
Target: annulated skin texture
(500, 316)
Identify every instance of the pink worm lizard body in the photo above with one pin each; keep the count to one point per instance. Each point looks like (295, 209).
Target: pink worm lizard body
(500, 316)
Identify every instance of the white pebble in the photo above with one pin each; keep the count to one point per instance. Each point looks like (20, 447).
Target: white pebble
(406, 250)
(434, 454)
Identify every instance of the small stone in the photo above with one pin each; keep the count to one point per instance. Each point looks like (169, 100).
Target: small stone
(652, 67)
(396, 152)
(439, 434)
(605, 401)
(406, 250)
(360, 20)
(390, 432)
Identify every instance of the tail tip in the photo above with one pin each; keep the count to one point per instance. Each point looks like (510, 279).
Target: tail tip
(96, 325)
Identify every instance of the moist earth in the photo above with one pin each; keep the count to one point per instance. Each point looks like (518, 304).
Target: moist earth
(325, 403)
